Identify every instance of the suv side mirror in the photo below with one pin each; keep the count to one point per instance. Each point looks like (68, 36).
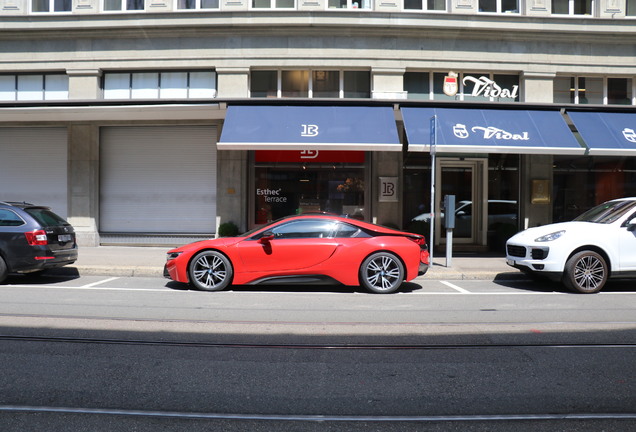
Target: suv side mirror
(631, 225)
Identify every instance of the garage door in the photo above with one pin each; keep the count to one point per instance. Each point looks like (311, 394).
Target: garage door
(33, 167)
(158, 180)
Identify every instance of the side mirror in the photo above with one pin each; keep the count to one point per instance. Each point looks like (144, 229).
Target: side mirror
(266, 237)
(631, 226)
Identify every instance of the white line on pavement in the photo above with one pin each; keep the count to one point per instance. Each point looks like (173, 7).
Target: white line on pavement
(455, 287)
(99, 282)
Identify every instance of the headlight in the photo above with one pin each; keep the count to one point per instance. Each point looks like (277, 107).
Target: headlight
(550, 237)
(172, 255)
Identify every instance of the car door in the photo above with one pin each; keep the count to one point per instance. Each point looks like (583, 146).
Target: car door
(294, 245)
(627, 246)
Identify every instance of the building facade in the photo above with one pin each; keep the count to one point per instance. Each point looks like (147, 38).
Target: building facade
(154, 121)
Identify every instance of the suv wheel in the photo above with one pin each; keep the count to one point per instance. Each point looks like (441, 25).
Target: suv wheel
(585, 272)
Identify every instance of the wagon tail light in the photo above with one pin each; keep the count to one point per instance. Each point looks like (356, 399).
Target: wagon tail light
(37, 238)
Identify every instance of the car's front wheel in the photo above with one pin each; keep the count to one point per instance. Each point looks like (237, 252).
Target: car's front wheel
(585, 272)
(382, 273)
(210, 271)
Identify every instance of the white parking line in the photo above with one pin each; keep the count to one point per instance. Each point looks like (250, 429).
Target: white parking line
(455, 287)
(99, 282)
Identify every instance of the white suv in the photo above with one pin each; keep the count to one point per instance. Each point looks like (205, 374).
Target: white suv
(584, 253)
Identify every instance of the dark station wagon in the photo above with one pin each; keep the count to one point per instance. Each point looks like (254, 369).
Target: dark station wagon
(33, 239)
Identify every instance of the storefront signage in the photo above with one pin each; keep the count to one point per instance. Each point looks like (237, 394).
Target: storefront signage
(388, 189)
(309, 130)
(630, 135)
(308, 156)
(272, 195)
(482, 86)
(460, 131)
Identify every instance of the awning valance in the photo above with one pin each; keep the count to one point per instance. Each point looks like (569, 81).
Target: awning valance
(249, 127)
(607, 133)
(465, 130)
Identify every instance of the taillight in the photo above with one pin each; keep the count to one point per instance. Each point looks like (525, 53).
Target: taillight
(36, 238)
(420, 240)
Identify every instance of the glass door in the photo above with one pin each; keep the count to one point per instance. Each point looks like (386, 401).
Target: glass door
(466, 179)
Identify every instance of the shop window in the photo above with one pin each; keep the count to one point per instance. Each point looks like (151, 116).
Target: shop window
(572, 7)
(499, 6)
(286, 188)
(303, 83)
(160, 85)
(51, 5)
(33, 87)
(585, 90)
(197, 4)
(581, 183)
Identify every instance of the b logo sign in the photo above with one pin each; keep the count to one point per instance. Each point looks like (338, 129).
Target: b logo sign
(309, 130)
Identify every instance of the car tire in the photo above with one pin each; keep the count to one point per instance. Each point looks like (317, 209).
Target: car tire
(210, 271)
(3, 270)
(382, 273)
(585, 272)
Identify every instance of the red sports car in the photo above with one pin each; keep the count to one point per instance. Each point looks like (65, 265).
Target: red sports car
(304, 249)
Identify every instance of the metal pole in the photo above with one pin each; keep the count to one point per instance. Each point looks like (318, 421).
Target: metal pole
(431, 239)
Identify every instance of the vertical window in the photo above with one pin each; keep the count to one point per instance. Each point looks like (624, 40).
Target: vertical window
(349, 4)
(563, 90)
(357, 84)
(30, 87)
(295, 83)
(164, 85)
(197, 4)
(572, 7)
(8, 87)
(499, 6)
(326, 84)
(619, 91)
(417, 85)
(51, 5)
(123, 5)
(631, 7)
(273, 4)
(55, 87)
(264, 83)
(431, 5)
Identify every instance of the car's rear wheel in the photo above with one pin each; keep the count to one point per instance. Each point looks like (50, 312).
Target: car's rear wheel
(210, 271)
(3, 270)
(382, 273)
(585, 272)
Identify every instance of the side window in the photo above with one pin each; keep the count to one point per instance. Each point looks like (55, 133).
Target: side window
(347, 231)
(9, 218)
(311, 228)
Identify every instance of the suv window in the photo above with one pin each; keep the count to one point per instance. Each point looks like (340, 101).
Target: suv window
(9, 218)
(45, 217)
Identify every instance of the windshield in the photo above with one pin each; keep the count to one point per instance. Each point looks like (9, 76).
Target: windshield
(607, 212)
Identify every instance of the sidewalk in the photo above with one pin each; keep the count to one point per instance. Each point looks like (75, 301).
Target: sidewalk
(148, 262)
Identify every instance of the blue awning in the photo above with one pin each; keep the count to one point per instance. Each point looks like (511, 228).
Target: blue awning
(309, 127)
(606, 133)
(464, 130)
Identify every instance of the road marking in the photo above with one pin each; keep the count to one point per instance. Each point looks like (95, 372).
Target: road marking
(455, 287)
(319, 418)
(91, 285)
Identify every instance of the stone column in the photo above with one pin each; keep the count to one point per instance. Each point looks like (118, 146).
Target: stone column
(233, 82)
(84, 83)
(83, 163)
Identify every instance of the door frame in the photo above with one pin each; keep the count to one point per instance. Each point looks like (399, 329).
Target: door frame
(479, 195)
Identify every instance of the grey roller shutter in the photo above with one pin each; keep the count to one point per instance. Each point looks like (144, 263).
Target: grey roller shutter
(158, 180)
(34, 167)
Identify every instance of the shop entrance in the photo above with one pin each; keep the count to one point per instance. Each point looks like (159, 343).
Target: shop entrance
(467, 180)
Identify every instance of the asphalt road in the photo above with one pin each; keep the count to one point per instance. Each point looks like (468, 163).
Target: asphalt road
(99, 353)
